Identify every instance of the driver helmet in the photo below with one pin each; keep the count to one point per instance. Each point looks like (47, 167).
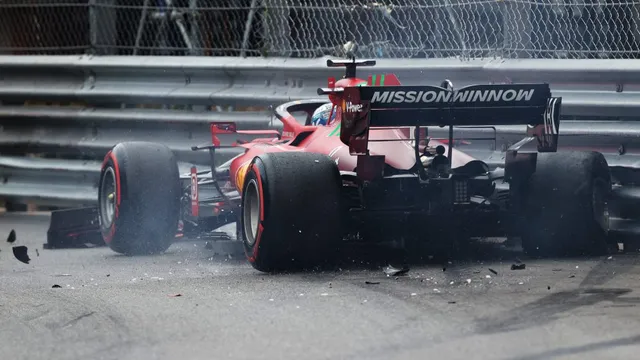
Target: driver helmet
(320, 117)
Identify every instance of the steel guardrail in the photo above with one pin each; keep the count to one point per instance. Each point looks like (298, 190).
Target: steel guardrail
(107, 85)
(589, 87)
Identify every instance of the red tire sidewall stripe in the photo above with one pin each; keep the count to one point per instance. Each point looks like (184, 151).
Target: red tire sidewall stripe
(260, 191)
(112, 230)
(256, 245)
(118, 192)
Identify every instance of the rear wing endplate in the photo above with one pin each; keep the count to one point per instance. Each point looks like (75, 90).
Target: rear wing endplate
(403, 106)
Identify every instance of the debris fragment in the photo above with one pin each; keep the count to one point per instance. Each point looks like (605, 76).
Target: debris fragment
(392, 271)
(56, 286)
(175, 295)
(61, 275)
(518, 266)
(324, 294)
(413, 294)
(548, 287)
(436, 290)
(488, 276)
(12, 237)
(108, 275)
(37, 253)
(451, 302)
(372, 282)
(20, 253)
(476, 271)
(556, 269)
(572, 276)
(493, 271)
(468, 281)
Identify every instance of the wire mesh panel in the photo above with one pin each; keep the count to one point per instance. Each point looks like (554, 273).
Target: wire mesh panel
(312, 28)
(43, 26)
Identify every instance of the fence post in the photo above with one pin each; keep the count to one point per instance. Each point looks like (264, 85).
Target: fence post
(276, 28)
(102, 27)
(517, 29)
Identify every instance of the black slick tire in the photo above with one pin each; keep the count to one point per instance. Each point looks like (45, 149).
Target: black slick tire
(565, 211)
(291, 211)
(145, 195)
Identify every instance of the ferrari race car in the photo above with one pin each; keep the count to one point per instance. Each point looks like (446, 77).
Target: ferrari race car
(371, 175)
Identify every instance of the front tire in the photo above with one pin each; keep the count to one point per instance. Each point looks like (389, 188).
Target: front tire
(139, 198)
(291, 210)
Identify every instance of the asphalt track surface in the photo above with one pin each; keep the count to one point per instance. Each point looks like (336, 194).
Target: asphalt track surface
(110, 306)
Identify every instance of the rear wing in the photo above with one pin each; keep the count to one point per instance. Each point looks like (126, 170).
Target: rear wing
(402, 106)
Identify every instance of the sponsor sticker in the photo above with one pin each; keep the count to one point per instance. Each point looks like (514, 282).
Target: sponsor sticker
(241, 174)
(444, 96)
(351, 107)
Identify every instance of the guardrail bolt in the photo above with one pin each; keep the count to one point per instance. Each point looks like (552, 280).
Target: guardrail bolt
(621, 149)
(619, 87)
(91, 80)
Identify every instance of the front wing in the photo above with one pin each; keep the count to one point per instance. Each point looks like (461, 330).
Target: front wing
(80, 227)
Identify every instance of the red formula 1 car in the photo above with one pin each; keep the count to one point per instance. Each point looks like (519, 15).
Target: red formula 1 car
(372, 175)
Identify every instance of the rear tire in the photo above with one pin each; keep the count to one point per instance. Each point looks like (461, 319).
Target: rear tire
(141, 216)
(565, 205)
(291, 211)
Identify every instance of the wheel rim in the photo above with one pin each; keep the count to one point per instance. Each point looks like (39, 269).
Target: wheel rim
(108, 198)
(600, 205)
(251, 212)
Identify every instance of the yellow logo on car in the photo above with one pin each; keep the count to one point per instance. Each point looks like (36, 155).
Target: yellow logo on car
(241, 174)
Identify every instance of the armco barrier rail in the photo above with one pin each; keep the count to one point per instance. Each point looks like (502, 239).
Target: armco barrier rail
(588, 87)
(77, 139)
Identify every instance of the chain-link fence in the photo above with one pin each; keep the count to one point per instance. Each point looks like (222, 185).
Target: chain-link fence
(311, 28)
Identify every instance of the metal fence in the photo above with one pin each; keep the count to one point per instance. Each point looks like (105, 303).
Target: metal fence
(312, 28)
